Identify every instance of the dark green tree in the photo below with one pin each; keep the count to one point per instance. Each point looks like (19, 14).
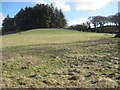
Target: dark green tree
(63, 22)
(8, 25)
(39, 16)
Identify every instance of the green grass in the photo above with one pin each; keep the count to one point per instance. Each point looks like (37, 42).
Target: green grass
(50, 57)
(48, 36)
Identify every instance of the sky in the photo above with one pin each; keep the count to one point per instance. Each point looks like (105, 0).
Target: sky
(75, 11)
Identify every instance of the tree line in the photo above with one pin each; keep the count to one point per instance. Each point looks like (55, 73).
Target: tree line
(39, 16)
(96, 24)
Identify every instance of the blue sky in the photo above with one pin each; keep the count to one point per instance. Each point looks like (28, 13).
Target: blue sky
(75, 11)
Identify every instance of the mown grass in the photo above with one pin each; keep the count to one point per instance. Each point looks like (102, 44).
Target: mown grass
(60, 58)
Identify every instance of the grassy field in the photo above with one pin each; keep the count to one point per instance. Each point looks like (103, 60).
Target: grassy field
(59, 58)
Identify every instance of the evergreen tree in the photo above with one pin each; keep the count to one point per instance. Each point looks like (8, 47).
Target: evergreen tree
(8, 24)
(39, 16)
(63, 21)
(52, 19)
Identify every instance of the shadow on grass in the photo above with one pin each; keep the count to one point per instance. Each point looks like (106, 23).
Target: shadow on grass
(59, 49)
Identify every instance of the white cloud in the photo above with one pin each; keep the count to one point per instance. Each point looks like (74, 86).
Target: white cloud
(1, 19)
(78, 4)
(62, 5)
(91, 4)
(38, 2)
(58, 3)
(77, 21)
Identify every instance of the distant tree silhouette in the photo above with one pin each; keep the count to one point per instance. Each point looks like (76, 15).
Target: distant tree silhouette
(78, 27)
(100, 23)
(114, 19)
(118, 34)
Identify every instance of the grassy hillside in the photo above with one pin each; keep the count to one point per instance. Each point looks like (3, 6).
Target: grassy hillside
(60, 58)
(37, 36)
